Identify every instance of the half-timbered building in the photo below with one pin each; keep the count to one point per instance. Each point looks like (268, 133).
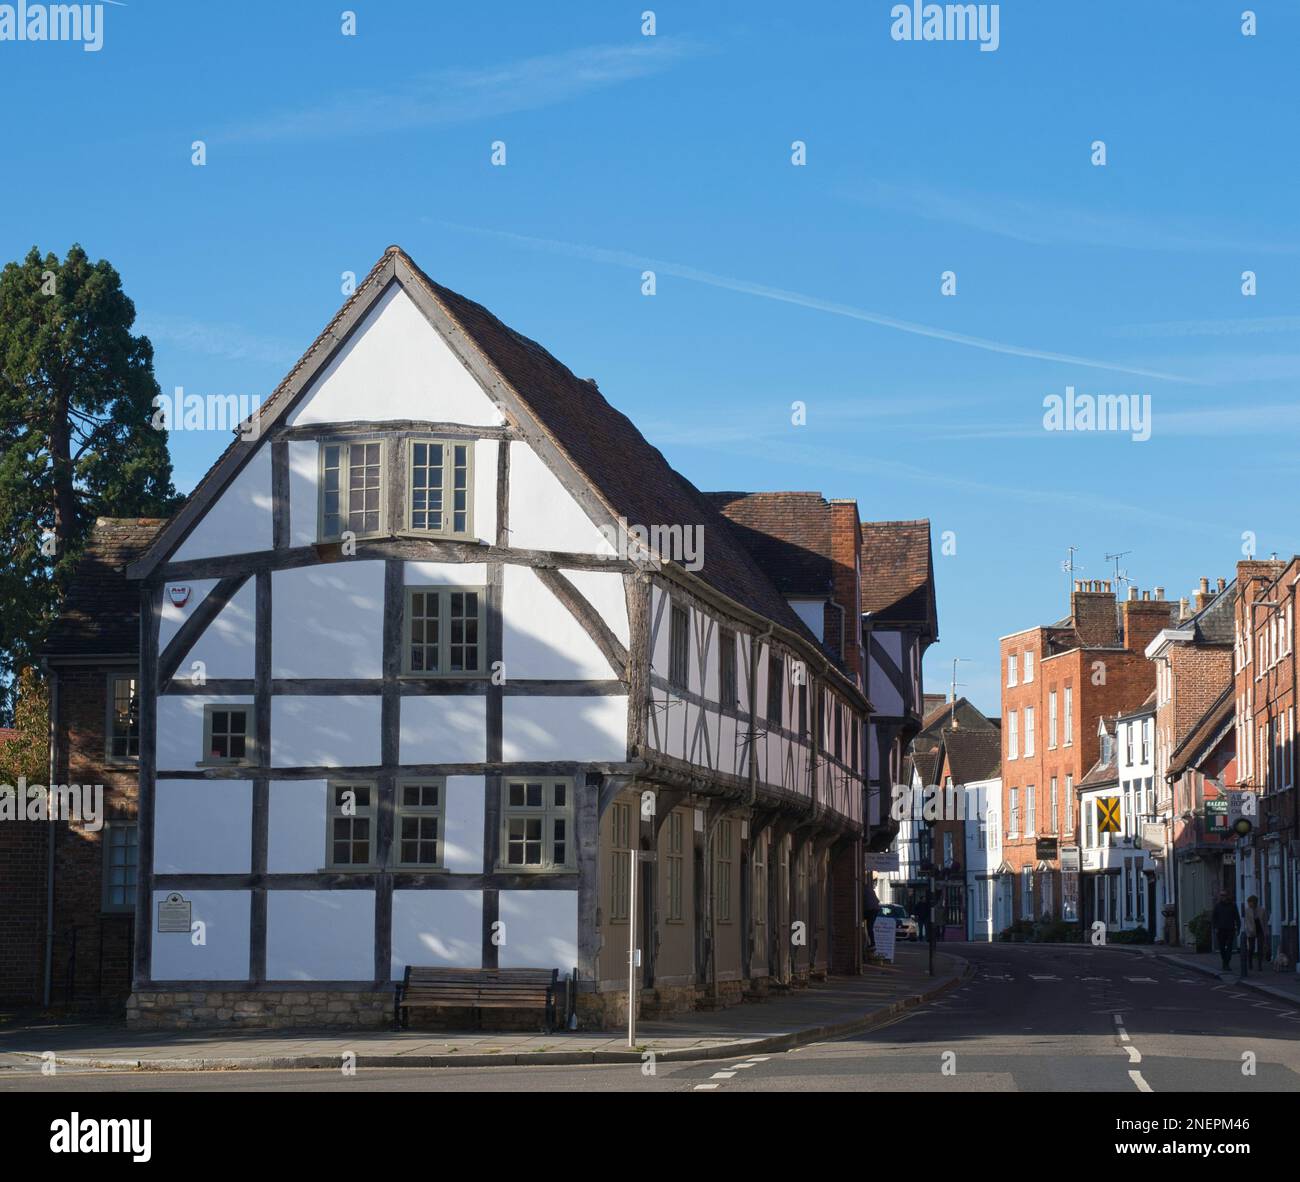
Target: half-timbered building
(434, 659)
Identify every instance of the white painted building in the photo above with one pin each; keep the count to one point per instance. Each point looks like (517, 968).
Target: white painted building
(1120, 879)
(987, 891)
(412, 695)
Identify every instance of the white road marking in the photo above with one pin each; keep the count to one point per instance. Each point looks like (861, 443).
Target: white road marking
(1134, 1055)
(722, 1075)
(742, 1066)
(1123, 1034)
(1142, 1085)
(1119, 1019)
(759, 1058)
(705, 1087)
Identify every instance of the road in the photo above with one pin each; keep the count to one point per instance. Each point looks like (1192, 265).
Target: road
(1031, 1018)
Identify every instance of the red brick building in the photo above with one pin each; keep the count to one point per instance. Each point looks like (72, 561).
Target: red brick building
(1268, 860)
(67, 935)
(1057, 681)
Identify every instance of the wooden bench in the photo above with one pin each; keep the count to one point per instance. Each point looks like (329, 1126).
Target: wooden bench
(476, 989)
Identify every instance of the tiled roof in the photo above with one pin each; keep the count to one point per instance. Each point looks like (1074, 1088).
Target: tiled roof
(897, 574)
(788, 534)
(973, 755)
(968, 716)
(1215, 622)
(927, 766)
(100, 614)
(1101, 772)
(632, 476)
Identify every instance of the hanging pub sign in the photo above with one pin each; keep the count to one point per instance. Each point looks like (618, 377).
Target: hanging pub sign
(1045, 849)
(1216, 815)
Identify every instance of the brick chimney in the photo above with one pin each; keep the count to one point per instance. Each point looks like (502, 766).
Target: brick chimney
(846, 590)
(1203, 594)
(1092, 608)
(1144, 618)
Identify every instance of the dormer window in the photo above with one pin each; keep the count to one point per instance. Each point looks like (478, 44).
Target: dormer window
(439, 486)
(351, 488)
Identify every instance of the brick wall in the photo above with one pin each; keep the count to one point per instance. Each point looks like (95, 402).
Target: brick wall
(846, 546)
(92, 950)
(22, 916)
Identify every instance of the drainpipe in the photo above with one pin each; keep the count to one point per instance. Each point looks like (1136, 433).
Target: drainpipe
(49, 856)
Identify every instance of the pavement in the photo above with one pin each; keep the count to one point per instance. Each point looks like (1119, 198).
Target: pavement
(1283, 984)
(837, 1007)
(1021, 1018)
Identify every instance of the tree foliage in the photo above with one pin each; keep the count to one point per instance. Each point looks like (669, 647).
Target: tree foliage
(28, 753)
(76, 438)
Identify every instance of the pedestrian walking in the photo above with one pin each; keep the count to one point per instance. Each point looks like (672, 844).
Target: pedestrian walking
(1225, 922)
(1255, 926)
(871, 910)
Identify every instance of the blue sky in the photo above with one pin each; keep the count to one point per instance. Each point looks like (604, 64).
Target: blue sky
(775, 283)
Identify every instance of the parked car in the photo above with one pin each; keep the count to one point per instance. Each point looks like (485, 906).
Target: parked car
(907, 928)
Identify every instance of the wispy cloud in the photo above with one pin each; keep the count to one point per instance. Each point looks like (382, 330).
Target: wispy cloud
(217, 340)
(763, 291)
(1235, 327)
(462, 96)
(1043, 224)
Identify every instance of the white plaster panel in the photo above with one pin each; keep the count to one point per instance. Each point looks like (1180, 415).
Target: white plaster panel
(328, 621)
(445, 574)
(543, 514)
(227, 647)
(239, 521)
(180, 727)
(395, 366)
(540, 636)
(485, 489)
(203, 827)
(440, 728)
(324, 730)
(223, 956)
(543, 729)
(437, 928)
(296, 830)
(541, 930)
(320, 935)
(463, 825)
(604, 591)
(172, 616)
(304, 481)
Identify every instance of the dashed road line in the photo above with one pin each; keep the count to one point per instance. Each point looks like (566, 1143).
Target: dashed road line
(1139, 1082)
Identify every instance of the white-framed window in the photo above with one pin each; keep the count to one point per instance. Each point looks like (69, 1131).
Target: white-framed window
(1013, 735)
(537, 824)
(123, 723)
(440, 487)
(121, 858)
(1055, 806)
(1012, 667)
(1013, 814)
(1128, 743)
(417, 841)
(1069, 802)
(353, 806)
(1051, 720)
(1069, 716)
(443, 629)
(1031, 819)
(1029, 667)
(1146, 740)
(1029, 731)
(351, 488)
(228, 735)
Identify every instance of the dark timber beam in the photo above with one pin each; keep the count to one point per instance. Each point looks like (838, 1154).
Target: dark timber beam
(588, 617)
(205, 611)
